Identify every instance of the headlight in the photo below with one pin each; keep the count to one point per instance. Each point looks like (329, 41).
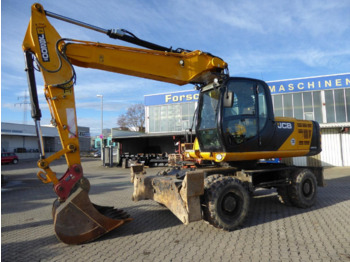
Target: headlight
(219, 157)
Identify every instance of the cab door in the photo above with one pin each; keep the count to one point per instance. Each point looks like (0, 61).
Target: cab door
(247, 123)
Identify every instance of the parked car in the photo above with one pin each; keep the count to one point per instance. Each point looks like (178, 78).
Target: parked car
(97, 154)
(9, 158)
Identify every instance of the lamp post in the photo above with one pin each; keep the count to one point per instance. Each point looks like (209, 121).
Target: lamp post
(101, 136)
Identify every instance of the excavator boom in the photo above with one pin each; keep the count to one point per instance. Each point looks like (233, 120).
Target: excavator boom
(76, 219)
(177, 68)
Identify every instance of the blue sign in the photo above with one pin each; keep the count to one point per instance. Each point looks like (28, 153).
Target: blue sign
(172, 98)
(276, 87)
(309, 84)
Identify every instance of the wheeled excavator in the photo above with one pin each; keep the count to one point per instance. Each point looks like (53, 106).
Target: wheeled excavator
(235, 127)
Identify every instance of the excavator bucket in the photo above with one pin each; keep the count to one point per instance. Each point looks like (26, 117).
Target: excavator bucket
(78, 221)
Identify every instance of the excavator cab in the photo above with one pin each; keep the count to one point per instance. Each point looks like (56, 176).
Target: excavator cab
(235, 122)
(235, 116)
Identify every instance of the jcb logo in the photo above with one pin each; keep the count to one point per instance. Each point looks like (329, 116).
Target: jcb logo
(43, 45)
(284, 125)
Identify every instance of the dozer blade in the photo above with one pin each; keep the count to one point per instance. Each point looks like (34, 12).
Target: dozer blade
(78, 221)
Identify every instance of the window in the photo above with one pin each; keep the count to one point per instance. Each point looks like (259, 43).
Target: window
(177, 111)
(308, 106)
(191, 110)
(347, 102)
(187, 115)
(298, 105)
(330, 106)
(164, 118)
(278, 106)
(240, 121)
(170, 118)
(339, 105)
(262, 108)
(209, 109)
(154, 118)
(288, 105)
(317, 106)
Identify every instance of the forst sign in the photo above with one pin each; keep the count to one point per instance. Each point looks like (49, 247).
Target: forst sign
(172, 98)
(309, 84)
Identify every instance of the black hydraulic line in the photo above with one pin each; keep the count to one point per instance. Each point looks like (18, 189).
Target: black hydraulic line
(119, 34)
(36, 112)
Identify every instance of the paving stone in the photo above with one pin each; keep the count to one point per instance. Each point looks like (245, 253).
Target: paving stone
(272, 232)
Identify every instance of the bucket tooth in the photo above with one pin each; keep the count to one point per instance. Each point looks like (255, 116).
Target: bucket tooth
(78, 221)
(111, 212)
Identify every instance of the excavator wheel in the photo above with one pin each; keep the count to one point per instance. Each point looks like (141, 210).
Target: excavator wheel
(303, 189)
(78, 221)
(204, 198)
(226, 203)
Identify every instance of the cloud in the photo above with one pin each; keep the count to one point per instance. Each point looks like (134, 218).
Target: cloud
(259, 63)
(275, 39)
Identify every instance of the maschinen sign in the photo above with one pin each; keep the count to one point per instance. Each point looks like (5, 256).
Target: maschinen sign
(309, 84)
(316, 83)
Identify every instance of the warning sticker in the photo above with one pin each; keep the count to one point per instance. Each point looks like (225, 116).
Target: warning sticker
(72, 127)
(292, 141)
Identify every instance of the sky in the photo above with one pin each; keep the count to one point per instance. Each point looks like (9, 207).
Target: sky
(265, 39)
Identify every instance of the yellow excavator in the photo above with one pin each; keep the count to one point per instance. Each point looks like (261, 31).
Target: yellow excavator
(235, 127)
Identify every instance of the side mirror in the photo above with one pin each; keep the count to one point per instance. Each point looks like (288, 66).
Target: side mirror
(228, 99)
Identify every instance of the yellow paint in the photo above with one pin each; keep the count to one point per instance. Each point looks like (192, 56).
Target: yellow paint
(43, 41)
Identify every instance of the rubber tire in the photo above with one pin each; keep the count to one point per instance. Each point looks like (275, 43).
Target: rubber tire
(204, 198)
(14, 161)
(284, 195)
(303, 190)
(219, 190)
(210, 179)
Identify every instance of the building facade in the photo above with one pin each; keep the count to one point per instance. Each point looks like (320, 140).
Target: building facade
(22, 139)
(325, 99)
(170, 112)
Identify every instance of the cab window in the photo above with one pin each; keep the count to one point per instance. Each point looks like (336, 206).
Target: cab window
(248, 111)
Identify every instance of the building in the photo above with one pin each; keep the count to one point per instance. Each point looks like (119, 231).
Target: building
(170, 112)
(325, 99)
(23, 140)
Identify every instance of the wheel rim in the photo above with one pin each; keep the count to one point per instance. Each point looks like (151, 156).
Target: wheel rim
(231, 204)
(307, 188)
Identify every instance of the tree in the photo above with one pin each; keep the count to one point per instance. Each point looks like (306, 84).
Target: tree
(133, 119)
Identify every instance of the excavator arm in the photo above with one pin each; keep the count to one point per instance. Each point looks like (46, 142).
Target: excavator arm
(194, 67)
(76, 219)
